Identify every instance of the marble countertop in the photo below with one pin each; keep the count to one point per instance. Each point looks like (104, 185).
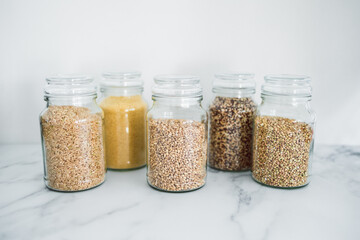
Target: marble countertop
(230, 206)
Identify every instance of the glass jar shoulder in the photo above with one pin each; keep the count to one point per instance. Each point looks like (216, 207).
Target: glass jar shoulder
(67, 114)
(122, 103)
(237, 104)
(298, 111)
(194, 112)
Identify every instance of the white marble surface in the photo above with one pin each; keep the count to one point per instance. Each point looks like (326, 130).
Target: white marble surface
(230, 206)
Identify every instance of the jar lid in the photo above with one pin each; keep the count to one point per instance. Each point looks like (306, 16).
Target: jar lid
(69, 85)
(177, 86)
(127, 79)
(234, 81)
(287, 85)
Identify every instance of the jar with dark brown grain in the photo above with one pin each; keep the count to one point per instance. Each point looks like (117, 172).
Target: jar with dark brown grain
(231, 116)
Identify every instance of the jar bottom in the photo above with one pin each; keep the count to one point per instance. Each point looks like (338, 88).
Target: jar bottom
(279, 187)
(227, 170)
(126, 169)
(170, 191)
(70, 191)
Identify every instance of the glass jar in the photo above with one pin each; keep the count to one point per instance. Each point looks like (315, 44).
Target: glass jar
(284, 132)
(177, 135)
(125, 120)
(231, 116)
(72, 134)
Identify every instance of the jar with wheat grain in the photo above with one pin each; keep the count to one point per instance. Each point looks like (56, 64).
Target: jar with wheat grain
(72, 134)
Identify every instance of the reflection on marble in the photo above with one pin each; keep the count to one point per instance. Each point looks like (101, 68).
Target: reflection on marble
(230, 206)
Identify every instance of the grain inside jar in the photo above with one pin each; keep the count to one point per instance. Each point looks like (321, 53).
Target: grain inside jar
(177, 152)
(74, 149)
(125, 119)
(125, 123)
(281, 151)
(231, 131)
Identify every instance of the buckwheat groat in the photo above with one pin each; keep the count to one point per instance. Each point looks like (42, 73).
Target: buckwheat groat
(281, 151)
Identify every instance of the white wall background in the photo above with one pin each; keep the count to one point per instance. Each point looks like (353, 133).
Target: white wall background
(317, 38)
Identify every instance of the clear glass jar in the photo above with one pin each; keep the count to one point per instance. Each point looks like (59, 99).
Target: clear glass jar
(284, 132)
(231, 116)
(72, 134)
(177, 135)
(125, 119)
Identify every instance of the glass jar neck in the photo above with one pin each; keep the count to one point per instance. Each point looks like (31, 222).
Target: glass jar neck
(234, 93)
(177, 101)
(286, 100)
(291, 107)
(114, 91)
(70, 100)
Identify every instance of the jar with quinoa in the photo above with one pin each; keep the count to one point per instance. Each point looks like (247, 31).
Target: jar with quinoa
(125, 120)
(231, 116)
(177, 135)
(284, 132)
(72, 135)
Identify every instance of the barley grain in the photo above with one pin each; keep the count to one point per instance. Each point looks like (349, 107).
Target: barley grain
(74, 150)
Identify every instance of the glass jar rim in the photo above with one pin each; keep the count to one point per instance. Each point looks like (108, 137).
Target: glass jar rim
(287, 85)
(287, 78)
(122, 75)
(65, 85)
(176, 79)
(177, 85)
(69, 79)
(235, 75)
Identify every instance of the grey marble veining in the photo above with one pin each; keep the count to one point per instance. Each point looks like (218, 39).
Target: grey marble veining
(229, 206)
